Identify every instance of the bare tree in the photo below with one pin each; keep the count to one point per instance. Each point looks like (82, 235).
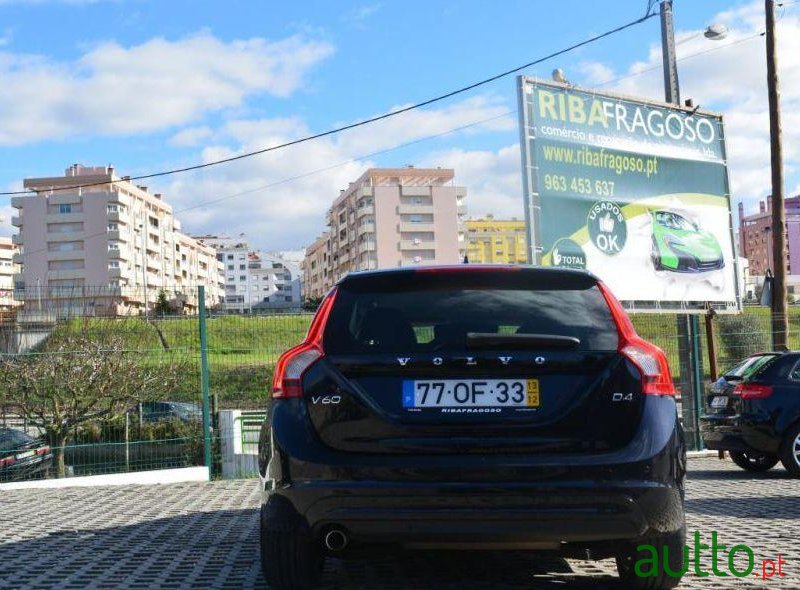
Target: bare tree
(79, 380)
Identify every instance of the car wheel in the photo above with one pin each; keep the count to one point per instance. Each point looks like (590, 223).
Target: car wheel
(754, 461)
(290, 560)
(790, 451)
(665, 576)
(655, 256)
(653, 574)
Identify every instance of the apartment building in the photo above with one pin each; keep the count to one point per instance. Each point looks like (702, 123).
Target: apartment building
(315, 268)
(392, 217)
(107, 248)
(755, 236)
(255, 281)
(7, 270)
(496, 241)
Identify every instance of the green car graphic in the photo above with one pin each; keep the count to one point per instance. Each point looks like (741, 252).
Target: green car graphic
(680, 245)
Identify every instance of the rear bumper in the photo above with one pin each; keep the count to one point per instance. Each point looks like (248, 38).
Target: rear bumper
(620, 494)
(485, 513)
(743, 433)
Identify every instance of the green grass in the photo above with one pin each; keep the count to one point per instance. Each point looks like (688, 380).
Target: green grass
(243, 349)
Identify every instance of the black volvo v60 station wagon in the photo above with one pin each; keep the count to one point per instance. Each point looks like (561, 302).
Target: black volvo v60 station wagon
(474, 407)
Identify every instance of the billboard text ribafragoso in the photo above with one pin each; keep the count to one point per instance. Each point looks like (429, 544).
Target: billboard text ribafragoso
(634, 191)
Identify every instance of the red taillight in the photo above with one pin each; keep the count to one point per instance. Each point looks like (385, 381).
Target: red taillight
(7, 461)
(290, 368)
(752, 390)
(43, 450)
(287, 381)
(648, 358)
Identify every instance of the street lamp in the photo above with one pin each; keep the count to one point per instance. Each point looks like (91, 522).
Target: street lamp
(716, 32)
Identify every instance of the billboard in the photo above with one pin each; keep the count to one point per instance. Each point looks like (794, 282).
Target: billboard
(635, 191)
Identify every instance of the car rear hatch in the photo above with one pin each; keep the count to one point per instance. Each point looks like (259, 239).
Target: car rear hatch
(474, 360)
(723, 398)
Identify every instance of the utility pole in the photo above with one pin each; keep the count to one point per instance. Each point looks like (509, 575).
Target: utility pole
(688, 326)
(780, 318)
(672, 91)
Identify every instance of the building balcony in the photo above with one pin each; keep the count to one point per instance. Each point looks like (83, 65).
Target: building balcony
(365, 210)
(114, 234)
(366, 247)
(118, 216)
(461, 209)
(416, 227)
(17, 258)
(16, 221)
(19, 202)
(65, 255)
(415, 191)
(77, 273)
(65, 236)
(366, 228)
(63, 217)
(65, 199)
(115, 273)
(415, 209)
(417, 245)
(117, 253)
(16, 239)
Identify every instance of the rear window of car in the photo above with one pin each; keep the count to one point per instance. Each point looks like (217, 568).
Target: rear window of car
(13, 439)
(431, 314)
(750, 366)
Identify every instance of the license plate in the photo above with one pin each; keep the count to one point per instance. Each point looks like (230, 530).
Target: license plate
(719, 401)
(471, 393)
(25, 455)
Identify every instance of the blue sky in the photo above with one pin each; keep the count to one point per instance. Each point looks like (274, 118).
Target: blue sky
(149, 85)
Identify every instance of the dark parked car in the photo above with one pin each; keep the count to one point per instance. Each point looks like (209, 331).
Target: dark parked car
(22, 456)
(471, 407)
(183, 411)
(753, 412)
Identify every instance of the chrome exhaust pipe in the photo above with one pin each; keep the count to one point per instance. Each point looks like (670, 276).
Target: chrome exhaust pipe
(335, 540)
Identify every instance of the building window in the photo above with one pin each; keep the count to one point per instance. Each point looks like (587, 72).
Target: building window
(230, 267)
(65, 209)
(242, 278)
(242, 266)
(113, 264)
(113, 227)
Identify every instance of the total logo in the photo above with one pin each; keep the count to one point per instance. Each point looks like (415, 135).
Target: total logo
(567, 253)
(607, 228)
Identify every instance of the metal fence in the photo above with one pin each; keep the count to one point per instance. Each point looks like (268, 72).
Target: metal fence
(195, 358)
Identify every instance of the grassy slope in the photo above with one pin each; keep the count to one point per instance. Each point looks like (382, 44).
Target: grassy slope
(243, 350)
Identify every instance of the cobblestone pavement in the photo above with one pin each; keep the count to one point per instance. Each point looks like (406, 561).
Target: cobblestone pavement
(204, 536)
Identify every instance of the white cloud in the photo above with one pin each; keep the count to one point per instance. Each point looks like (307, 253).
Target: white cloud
(116, 90)
(361, 13)
(730, 77)
(492, 178)
(291, 214)
(190, 136)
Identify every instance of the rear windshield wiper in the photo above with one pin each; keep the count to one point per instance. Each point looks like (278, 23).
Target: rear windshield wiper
(484, 340)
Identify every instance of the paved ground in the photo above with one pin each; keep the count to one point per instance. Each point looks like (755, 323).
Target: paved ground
(203, 535)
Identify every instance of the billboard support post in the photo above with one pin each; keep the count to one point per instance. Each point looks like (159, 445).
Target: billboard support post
(688, 327)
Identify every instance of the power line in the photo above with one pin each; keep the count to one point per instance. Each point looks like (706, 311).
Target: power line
(685, 57)
(368, 121)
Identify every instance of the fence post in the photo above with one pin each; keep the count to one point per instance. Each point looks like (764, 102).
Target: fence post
(698, 388)
(204, 377)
